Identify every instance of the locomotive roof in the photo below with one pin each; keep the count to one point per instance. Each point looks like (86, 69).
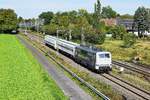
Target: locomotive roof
(89, 49)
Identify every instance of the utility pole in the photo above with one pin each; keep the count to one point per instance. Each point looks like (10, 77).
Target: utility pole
(43, 21)
(82, 37)
(25, 25)
(57, 32)
(57, 35)
(70, 35)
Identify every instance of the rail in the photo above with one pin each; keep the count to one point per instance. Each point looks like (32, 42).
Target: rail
(120, 82)
(99, 93)
(132, 68)
(94, 90)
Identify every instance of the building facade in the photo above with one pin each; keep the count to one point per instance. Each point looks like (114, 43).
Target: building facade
(127, 23)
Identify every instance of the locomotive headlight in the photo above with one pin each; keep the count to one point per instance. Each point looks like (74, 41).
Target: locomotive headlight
(110, 65)
(96, 67)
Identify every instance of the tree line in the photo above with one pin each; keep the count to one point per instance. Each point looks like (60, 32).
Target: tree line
(142, 21)
(80, 26)
(89, 27)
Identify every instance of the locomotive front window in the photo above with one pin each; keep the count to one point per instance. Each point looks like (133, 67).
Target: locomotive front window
(107, 56)
(104, 55)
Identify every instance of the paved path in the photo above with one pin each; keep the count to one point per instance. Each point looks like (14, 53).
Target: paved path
(67, 85)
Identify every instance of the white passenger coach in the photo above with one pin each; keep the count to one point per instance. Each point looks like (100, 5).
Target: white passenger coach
(66, 46)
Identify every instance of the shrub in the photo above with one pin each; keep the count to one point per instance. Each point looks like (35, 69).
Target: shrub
(101, 38)
(129, 40)
(95, 38)
(117, 32)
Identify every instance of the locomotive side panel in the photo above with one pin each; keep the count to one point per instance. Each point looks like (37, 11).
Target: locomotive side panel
(86, 58)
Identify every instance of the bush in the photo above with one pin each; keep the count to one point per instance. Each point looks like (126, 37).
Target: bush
(129, 39)
(101, 38)
(95, 38)
(117, 32)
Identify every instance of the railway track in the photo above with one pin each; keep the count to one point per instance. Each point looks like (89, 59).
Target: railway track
(138, 69)
(139, 92)
(141, 65)
(93, 89)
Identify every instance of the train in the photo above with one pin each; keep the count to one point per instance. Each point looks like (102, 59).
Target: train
(92, 58)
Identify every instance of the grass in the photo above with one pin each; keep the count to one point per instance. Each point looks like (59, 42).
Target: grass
(98, 84)
(21, 76)
(140, 49)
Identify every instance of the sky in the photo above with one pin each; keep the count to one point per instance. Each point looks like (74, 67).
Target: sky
(32, 8)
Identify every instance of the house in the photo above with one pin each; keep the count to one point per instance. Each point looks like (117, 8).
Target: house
(109, 22)
(127, 23)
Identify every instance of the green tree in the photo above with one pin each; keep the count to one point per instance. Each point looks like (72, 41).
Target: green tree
(148, 20)
(97, 14)
(8, 20)
(99, 27)
(50, 29)
(82, 12)
(140, 21)
(47, 16)
(72, 16)
(129, 40)
(20, 19)
(108, 12)
(83, 25)
(98, 10)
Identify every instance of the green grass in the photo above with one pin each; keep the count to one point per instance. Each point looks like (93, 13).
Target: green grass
(21, 76)
(140, 49)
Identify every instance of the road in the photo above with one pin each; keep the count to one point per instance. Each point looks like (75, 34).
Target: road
(70, 88)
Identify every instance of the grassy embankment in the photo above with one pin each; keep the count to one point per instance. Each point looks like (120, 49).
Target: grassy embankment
(21, 76)
(140, 49)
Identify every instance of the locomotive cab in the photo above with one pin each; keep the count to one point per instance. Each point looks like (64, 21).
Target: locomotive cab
(103, 61)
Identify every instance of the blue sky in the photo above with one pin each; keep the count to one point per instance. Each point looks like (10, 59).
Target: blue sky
(32, 8)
